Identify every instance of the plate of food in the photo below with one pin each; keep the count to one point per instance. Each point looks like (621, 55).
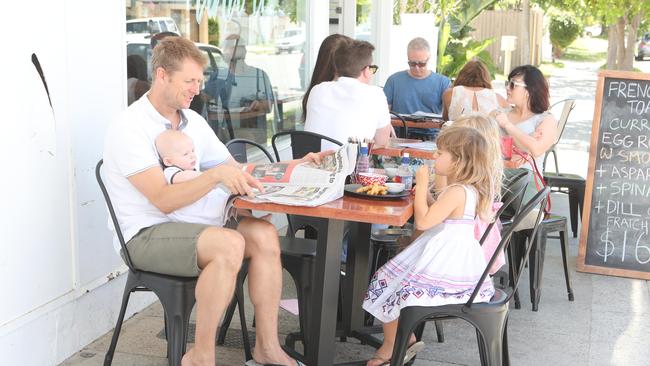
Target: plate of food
(373, 191)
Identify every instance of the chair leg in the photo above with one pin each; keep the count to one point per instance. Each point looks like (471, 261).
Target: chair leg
(178, 312)
(557, 168)
(405, 325)
(564, 240)
(490, 334)
(227, 318)
(536, 259)
(506, 353)
(573, 210)
(108, 359)
(439, 331)
(239, 296)
(513, 258)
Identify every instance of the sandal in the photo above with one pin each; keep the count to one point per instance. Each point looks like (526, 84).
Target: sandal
(255, 363)
(413, 349)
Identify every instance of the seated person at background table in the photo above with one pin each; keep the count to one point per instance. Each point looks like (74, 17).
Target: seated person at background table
(472, 92)
(142, 199)
(136, 73)
(417, 89)
(532, 127)
(324, 69)
(349, 106)
(445, 263)
(244, 92)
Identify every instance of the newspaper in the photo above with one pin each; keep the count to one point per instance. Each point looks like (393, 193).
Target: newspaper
(304, 184)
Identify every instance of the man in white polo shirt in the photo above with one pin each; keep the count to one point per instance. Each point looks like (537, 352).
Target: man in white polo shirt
(142, 200)
(348, 106)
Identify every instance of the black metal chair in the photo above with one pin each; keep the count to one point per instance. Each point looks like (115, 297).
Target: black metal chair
(488, 318)
(404, 129)
(574, 186)
(567, 107)
(571, 184)
(176, 295)
(302, 143)
(297, 255)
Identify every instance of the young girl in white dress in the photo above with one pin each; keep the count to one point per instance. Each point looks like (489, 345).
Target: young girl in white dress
(444, 264)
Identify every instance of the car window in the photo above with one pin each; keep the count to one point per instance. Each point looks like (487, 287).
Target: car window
(171, 26)
(646, 37)
(137, 27)
(139, 49)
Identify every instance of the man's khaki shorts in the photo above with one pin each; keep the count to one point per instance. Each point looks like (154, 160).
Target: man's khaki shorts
(168, 248)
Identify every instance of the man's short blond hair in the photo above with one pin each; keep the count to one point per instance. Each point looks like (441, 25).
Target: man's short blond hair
(170, 53)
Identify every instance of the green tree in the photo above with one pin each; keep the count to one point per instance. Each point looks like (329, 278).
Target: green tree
(564, 29)
(213, 31)
(455, 45)
(623, 19)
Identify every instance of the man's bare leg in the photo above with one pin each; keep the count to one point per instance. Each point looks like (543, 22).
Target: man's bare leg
(220, 254)
(264, 287)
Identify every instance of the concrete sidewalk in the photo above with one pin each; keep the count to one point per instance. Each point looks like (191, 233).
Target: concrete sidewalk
(606, 324)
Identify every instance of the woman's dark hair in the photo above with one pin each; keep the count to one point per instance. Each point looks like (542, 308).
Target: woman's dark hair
(537, 86)
(474, 74)
(136, 67)
(324, 69)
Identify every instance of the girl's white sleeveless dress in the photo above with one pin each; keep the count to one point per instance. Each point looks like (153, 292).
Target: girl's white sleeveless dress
(442, 266)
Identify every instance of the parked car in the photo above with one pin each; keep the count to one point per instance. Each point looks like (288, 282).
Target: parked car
(643, 48)
(593, 30)
(292, 39)
(137, 29)
(212, 54)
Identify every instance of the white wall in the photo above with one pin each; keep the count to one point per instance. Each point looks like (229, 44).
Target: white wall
(56, 256)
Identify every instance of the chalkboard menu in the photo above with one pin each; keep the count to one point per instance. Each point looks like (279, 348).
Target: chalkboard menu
(615, 238)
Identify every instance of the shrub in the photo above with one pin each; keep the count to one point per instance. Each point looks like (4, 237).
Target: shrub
(564, 29)
(213, 31)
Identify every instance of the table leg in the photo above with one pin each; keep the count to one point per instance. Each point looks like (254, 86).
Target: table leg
(326, 288)
(357, 271)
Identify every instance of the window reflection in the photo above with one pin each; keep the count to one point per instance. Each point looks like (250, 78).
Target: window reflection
(255, 74)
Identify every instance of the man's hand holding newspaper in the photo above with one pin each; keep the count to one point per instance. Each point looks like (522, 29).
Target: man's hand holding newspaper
(304, 182)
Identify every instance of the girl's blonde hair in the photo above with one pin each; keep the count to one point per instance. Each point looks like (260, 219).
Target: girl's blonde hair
(489, 128)
(472, 165)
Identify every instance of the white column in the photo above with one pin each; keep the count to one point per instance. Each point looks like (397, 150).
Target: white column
(349, 17)
(382, 21)
(317, 27)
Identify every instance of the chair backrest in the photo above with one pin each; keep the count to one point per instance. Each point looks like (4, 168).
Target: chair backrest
(511, 196)
(538, 201)
(302, 143)
(568, 106)
(513, 186)
(238, 148)
(116, 225)
(405, 128)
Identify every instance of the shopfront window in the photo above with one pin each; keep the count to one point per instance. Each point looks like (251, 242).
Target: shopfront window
(255, 75)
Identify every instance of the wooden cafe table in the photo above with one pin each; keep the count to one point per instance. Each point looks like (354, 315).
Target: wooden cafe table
(425, 123)
(393, 149)
(361, 213)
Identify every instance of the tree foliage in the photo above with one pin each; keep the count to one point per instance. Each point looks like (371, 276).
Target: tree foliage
(564, 29)
(455, 45)
(624, 18)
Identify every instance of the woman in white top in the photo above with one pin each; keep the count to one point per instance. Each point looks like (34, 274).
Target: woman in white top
(533, 128)
(472, 92)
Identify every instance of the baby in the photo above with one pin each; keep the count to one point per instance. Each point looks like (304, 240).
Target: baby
(176, 151)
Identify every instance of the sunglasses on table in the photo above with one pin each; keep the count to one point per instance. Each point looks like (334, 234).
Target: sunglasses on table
(418, 63)
(373, 68)
(510, 84)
